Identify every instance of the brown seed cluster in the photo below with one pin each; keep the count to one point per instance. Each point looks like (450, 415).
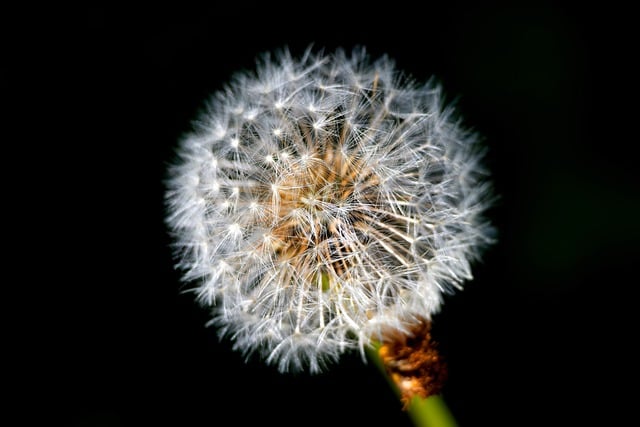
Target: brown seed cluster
(312, 206)
(324, 181)
(414, 364)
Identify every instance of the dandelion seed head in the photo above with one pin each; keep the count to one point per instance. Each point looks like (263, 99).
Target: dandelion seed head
(324, 202)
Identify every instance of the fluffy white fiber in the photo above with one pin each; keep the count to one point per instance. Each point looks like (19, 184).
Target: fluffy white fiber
(323, 202)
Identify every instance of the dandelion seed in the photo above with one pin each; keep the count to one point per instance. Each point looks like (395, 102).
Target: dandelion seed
(336, 221)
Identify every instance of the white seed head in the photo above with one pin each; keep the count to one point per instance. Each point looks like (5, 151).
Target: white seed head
(336, 206)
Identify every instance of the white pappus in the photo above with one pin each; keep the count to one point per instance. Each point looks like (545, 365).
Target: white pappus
(323, 202)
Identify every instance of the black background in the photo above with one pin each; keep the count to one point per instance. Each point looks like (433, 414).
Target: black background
(537, 338)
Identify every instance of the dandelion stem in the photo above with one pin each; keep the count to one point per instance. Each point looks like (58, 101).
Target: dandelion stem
(429, 412)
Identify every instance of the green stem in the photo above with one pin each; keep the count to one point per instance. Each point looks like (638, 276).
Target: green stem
(429, 412)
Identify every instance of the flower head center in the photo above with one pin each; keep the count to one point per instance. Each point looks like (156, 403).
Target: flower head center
(312, 211)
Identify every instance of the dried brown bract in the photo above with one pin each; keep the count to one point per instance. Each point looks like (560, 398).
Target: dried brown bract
(413, 363)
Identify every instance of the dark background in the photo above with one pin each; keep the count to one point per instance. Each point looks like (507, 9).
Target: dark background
(537, 338)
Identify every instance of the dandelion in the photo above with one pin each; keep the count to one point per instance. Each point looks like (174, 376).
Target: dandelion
(325, 203)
